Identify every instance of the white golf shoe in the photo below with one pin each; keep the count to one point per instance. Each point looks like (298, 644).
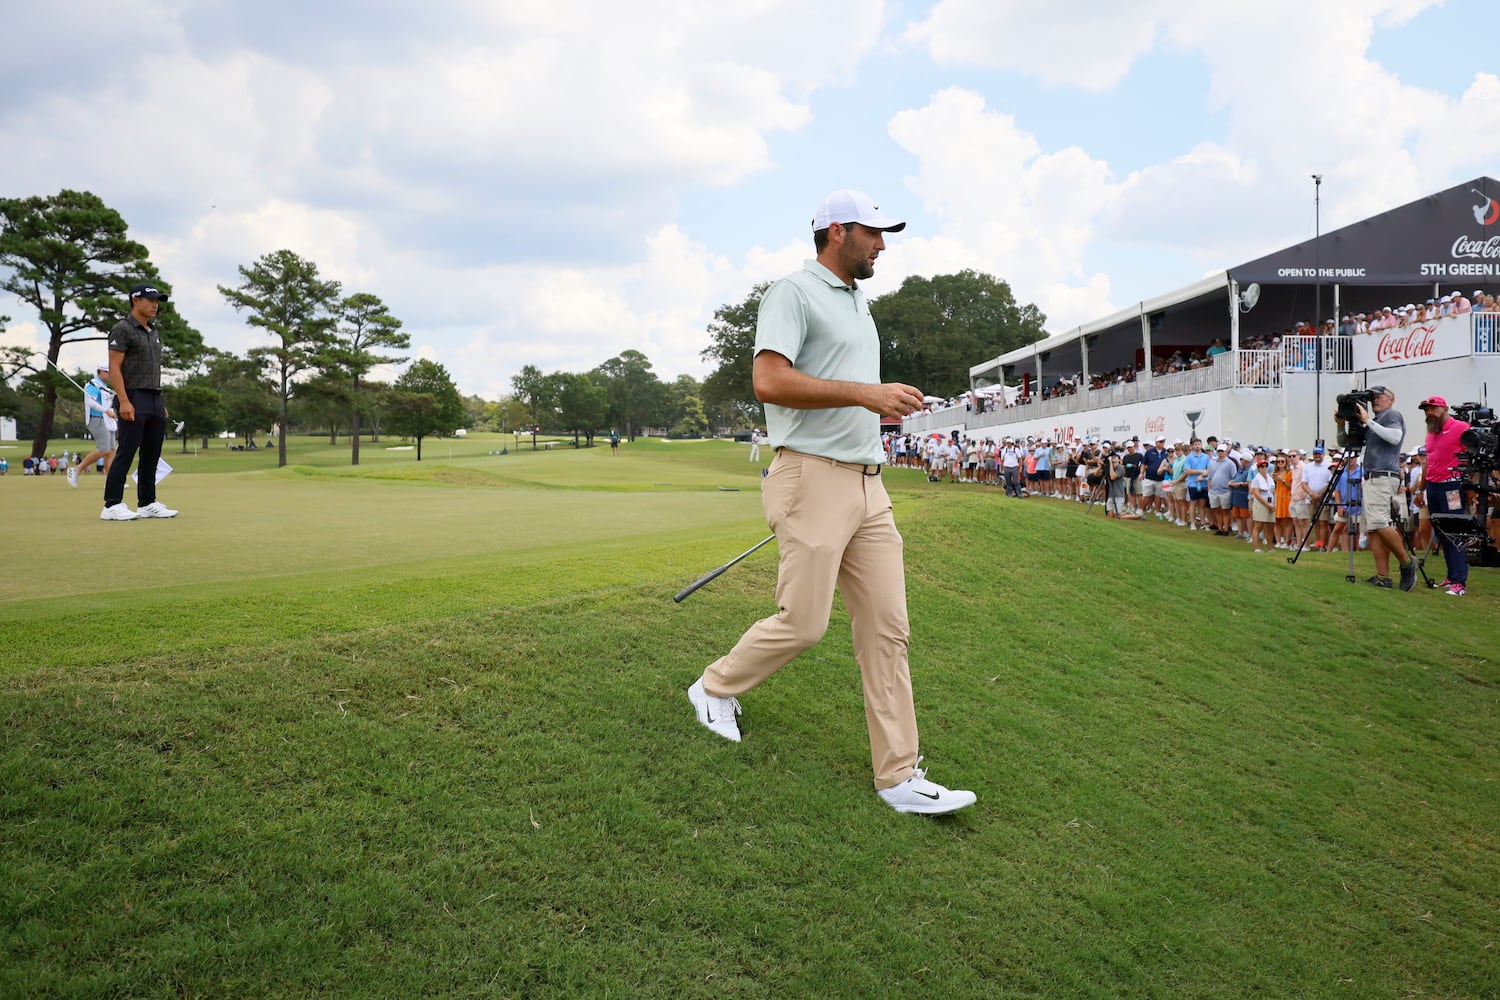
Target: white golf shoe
(73, 477)
(118, 512)
(918, 795)
(156, 509)
(718, 714)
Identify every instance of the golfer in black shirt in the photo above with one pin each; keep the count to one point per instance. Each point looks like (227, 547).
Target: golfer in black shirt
(135, 373)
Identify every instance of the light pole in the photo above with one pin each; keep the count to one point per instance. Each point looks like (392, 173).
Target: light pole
(1318, 306)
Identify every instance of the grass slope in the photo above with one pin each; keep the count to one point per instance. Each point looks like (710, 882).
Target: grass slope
(462, 767)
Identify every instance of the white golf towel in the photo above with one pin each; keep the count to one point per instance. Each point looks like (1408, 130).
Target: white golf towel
(163, 470)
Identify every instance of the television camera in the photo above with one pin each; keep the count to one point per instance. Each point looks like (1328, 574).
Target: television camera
(1348, 404)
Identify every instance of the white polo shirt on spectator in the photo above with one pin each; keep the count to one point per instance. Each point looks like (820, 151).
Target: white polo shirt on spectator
(1316, 477)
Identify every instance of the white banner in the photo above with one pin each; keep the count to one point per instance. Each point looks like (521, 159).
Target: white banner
(1430, 340)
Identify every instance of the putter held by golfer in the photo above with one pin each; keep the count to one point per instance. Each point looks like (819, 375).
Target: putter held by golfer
(714, 574)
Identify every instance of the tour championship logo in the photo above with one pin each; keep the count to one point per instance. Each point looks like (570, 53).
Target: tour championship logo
(1487, 211)
(1480, 247)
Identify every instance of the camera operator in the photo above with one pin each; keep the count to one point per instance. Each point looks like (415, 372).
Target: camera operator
(1384, 429)
(1445, 494)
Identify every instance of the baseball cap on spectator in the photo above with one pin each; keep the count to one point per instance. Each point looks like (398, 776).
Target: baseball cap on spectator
(102, 368)
(146, 290)
(1422, 450)
(1433, 401)
(1317, 450)
(843, 206)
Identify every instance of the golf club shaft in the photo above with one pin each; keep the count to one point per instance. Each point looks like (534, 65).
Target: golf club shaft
(715, 574)
(61, 372)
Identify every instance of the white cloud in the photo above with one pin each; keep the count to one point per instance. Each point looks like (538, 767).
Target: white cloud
(487, 169)
(1090, 44)
(1302, 95)
(509, 177)
(1007, 207)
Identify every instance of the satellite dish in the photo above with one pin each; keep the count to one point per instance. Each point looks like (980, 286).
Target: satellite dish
(1249, 296)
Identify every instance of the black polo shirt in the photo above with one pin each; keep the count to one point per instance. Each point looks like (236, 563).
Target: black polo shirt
(141, 365)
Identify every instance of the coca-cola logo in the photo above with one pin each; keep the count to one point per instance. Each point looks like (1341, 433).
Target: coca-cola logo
(1406, 345)
(1156, 425)
(1465, 247)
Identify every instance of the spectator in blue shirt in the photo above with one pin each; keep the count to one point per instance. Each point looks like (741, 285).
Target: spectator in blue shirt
(1195, 470)
(1239, 494)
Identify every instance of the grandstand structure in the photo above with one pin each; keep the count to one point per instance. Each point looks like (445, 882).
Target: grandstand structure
(1268, 382)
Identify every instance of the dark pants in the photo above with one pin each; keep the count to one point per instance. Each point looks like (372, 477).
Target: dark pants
(1448, 498)
(1013, 480)
(145, 433)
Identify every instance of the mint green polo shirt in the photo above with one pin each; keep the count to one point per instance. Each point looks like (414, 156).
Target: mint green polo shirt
(824, 328)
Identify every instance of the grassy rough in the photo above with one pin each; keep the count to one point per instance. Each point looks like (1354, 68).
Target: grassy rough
(464, 765)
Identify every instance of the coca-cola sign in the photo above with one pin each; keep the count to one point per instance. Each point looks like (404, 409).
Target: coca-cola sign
(1471, 248)
(1446, 238)
(1411, 344)
(1433, 340)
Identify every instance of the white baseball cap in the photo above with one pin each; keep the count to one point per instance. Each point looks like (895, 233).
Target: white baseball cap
(844, 206)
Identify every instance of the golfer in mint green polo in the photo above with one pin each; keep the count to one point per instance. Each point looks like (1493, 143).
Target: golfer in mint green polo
(817, 369)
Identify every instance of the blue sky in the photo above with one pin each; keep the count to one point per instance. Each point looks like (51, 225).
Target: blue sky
(553, 183)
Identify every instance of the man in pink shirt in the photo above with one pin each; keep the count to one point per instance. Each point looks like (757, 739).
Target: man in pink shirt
(1445, 494)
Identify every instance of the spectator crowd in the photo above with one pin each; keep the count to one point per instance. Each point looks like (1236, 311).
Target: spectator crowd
(1266, 498)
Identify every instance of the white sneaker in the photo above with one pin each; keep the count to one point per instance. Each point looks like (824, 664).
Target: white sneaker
(156, 509)
(73, 477)
(918, 795)
(118, 512)
(718, 714)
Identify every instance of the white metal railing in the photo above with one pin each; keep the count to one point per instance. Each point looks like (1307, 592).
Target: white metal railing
(1303, 354)
(1486, 332)
(1261, 368)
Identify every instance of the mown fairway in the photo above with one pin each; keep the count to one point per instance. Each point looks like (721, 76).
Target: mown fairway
(420, 730)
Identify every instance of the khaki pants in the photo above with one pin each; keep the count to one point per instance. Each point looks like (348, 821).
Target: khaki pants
(834, 528)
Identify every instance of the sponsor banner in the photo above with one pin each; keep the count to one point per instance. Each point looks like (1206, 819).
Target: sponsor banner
(1430, 340)
(1450, 237)
(1173, 417)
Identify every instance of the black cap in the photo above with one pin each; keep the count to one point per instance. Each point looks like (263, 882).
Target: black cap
(146, 290)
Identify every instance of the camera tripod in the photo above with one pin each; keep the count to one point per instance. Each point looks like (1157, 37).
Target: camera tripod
(1317, 511)
(1408, 523)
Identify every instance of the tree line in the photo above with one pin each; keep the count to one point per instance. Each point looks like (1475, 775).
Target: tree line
(69, 257)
